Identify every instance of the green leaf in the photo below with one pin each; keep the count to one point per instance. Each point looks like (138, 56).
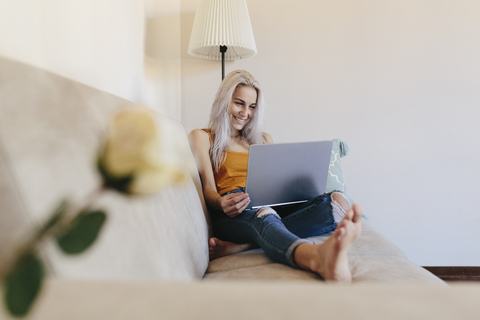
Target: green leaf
(82, 233)
(23, 285)
(121, 184)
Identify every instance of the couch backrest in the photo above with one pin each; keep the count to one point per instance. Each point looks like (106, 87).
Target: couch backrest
(51, 129)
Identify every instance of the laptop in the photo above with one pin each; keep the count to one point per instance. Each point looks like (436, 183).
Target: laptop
(287, 173)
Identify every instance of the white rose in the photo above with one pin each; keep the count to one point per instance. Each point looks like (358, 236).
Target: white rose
(134, 159)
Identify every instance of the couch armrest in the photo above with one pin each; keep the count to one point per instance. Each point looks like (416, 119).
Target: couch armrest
(67, 299)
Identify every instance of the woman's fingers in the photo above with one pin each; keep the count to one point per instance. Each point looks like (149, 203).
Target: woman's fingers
(247, 201)
(233, 199)
(236, 204)
(236, 197)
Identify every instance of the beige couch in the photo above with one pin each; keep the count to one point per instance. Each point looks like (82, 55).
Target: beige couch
(153, 251)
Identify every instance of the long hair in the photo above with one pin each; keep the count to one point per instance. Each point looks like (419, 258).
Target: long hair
(219, 122)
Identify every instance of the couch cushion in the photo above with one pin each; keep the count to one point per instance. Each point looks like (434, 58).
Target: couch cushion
(51, 129)
(373, 257)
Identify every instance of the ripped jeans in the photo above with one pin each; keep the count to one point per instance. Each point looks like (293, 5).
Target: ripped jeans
(279, 237)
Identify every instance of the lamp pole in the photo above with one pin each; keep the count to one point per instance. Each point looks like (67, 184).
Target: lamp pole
(223, 49)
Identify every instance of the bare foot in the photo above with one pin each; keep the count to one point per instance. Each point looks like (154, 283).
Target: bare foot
(218, 248)
(330, 259)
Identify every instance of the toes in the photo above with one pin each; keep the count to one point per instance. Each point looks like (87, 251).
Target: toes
(340, 232)
(358, 212)
(211, 242)
(349, 215)
(345, 221)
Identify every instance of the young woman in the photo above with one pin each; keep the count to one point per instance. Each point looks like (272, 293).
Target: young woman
(221, 153)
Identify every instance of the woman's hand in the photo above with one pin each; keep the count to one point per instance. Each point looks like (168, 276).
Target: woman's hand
(233, 204)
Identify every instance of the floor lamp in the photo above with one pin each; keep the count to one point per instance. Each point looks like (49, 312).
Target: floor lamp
(222, 31)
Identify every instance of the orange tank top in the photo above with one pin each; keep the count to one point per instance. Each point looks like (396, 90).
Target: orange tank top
(232, 174)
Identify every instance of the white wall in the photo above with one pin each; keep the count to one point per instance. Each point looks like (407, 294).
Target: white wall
(130, 48)
(96, 42)
(399, 81)
(162, 61)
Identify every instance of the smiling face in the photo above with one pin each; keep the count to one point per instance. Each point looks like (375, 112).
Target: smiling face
(242, 106)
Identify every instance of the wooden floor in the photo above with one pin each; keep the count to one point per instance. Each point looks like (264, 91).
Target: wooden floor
(456, 273)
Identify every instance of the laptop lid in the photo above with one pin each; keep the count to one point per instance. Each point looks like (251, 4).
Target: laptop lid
(287, 173)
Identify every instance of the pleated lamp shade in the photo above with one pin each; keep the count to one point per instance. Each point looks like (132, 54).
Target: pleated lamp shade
(222, 23)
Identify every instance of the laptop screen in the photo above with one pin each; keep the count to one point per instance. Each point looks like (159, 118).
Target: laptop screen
(287, 173)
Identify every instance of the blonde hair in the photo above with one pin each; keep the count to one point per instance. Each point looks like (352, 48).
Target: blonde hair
(219, 123)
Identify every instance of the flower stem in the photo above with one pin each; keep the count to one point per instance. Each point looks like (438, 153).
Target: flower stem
(56, 223)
